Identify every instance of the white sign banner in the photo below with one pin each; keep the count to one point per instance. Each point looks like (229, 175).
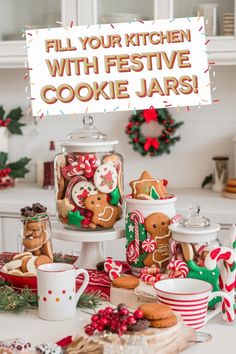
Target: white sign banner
(126, 66)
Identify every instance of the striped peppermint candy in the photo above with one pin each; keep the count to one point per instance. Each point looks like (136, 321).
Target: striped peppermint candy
(178, 268)
(149, 245)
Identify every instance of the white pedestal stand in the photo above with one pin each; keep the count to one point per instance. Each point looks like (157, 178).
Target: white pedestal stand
(91, 250)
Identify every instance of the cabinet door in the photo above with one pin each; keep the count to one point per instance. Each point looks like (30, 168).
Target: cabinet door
(16, 16)
(10, 234)
(113, 11)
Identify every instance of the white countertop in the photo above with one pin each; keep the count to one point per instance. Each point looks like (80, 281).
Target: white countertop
(212, 204)
(37, 331)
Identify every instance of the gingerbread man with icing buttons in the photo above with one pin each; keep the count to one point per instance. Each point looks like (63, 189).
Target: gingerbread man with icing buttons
(104, 214)
(156, 225)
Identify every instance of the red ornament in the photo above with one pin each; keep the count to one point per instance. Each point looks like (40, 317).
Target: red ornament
(151, 142)
(150, 114)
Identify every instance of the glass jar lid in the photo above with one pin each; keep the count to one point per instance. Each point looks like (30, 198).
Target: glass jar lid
(88, 136)
(194, 219)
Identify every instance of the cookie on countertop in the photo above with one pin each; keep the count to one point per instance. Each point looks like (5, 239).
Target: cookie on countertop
(166, 322)
(155, 311)
(128, 282)
(15, 346)
(48, 348)
(231, 182)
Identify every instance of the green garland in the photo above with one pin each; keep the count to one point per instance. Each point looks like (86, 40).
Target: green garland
(152, 146)
(17, 302)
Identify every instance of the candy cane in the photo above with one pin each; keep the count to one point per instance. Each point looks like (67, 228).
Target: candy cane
(178, 268)
(228, 277)
(154, 270)
(148, 278)
(138, 218)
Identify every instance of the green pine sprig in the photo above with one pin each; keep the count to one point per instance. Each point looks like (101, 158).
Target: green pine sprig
(90, 300)
(17, 302)
(14, 126)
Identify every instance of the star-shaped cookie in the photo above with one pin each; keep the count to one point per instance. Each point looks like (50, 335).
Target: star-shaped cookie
(64, 206)
(74, 218)
(144, 185)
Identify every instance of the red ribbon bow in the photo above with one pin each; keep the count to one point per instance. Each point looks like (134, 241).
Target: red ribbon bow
(151, 142)
(150, 114)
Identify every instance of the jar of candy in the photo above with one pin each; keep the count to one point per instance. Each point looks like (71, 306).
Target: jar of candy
(36, 232)
(192, 238)
(89, 180)
(149, 211)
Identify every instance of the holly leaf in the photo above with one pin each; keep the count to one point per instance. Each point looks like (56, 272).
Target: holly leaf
(14, 127)
(3, 159)
(2, 112)
(207, 180)
(18, 168)
(15, 114)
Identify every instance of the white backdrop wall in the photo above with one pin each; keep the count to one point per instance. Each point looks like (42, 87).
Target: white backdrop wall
(206, 132)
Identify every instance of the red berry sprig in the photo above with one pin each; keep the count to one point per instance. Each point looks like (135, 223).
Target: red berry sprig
(117, 320)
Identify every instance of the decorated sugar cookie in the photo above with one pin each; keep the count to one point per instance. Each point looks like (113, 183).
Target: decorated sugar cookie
(78, 189)
(105, 178)
(81, 190)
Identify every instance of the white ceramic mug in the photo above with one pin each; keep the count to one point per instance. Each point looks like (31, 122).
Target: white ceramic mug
(189, 297)
(57, 296)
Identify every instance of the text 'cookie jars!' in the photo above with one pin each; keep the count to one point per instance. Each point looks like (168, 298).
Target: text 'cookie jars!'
(192, 239)
(89, 180)
(36, 232)
(149, 210)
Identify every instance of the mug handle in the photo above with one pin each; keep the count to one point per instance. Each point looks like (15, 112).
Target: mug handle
(218, 309)
(85, 282)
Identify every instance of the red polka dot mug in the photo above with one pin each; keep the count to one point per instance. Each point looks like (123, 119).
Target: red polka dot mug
(57, 296)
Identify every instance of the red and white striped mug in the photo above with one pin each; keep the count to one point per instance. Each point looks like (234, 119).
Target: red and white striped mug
(189, 297)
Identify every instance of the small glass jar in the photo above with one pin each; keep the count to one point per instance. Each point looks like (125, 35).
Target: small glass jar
(89, 180)
(193, 237)
(36, 233)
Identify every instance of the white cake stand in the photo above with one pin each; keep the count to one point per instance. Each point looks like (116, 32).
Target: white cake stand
(91, 250)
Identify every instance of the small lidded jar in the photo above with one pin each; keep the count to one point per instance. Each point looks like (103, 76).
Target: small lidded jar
(193, 237)
(36, 233)
(88, 180)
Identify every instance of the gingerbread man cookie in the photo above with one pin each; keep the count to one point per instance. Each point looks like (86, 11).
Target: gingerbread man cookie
(156, 224)
(104, 214)
(147, 185)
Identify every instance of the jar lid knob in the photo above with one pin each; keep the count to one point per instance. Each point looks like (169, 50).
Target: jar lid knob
(87, 120)
(87, 132)
(194, 219)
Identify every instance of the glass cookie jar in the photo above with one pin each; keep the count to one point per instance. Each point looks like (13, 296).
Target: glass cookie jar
(36, 231)
(89, 180)
(192, 238)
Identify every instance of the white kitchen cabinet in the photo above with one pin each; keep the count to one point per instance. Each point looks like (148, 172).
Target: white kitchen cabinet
(222, 49)
(15, 14)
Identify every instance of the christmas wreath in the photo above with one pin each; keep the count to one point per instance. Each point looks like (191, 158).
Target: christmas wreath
(152, 145)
